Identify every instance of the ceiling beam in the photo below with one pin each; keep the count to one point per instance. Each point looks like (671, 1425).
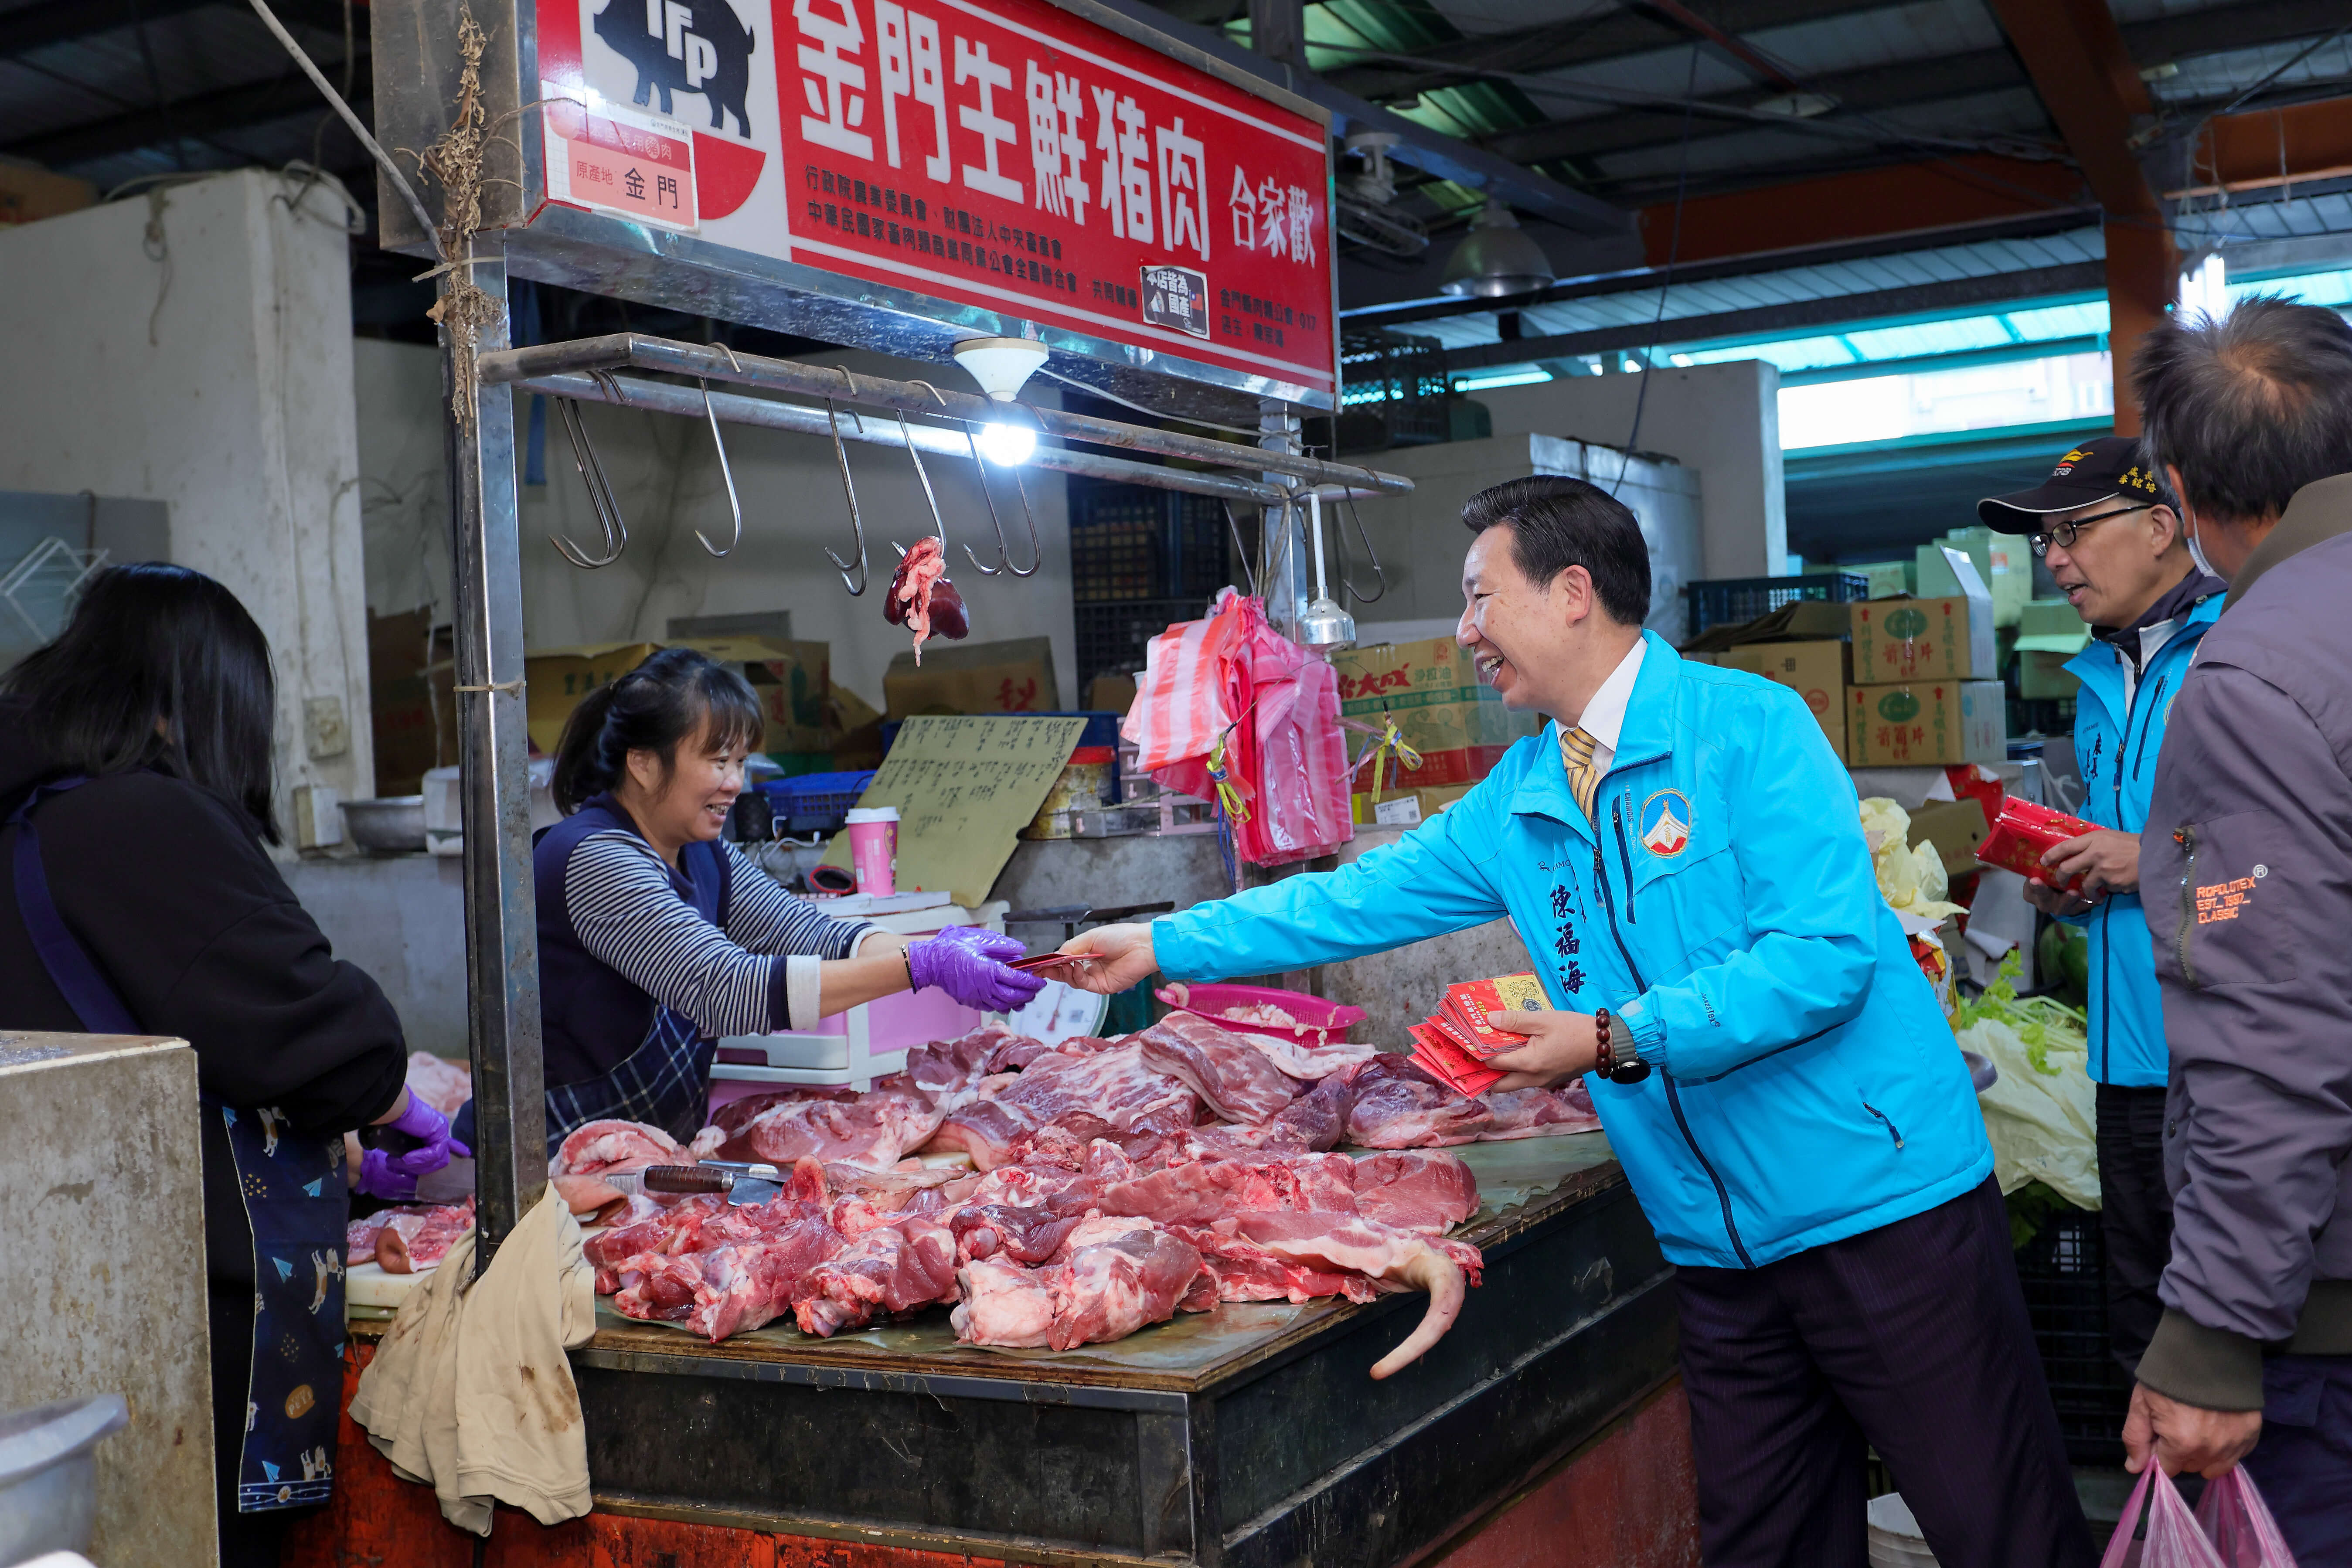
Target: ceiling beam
(2087, 80)
(2221, 29)
(47, 22)
(190, 119)
(1934, 201)
(2268, 147)
(1442, 156)
(1845, 309)
(1563, 45)
(1904, 85)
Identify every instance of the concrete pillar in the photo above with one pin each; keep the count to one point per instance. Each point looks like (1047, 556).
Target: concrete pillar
(194, 347)
(1722, 419)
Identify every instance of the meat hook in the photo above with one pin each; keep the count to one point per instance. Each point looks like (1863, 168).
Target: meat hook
(725, 472)
(1339, 536)
(939, 529)
(857, 522)
(1003, 555)
(600, 499)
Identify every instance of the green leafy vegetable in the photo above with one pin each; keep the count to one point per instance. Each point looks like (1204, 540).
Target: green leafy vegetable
(2040, 1022)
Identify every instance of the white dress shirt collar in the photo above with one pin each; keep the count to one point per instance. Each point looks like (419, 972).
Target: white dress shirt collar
(1604, 715)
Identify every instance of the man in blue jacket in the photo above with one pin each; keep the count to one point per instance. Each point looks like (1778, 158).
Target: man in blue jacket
(1682, 852)
(2107, 527)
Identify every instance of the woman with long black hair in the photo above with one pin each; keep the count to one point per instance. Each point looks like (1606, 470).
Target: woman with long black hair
(135, 783)
(656, 938)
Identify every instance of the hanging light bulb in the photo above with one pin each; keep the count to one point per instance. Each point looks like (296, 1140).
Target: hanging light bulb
(1007, 444)
(1496, 259)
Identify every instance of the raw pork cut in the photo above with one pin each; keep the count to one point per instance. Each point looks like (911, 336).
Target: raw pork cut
(1203, 1192)
(1541, 1112)
(442, 1084)
(1401, 1259)
(1086, 1086)
(1423, 1190)
(1245, 1271)
(1004, 1231)
(602, 1146)
(1298, 1059)
(1118, 1276)
(872, 1131)
(1003, 1304)
(944, 1069)
(411, 1240)
(890, 1269)
(1111, 1276)
(1398, 1106)
(1239, 1083)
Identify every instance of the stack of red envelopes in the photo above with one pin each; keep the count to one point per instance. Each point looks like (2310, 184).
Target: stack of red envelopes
(1454, 1043)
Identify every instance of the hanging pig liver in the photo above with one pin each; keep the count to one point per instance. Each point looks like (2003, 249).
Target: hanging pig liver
(923, 600)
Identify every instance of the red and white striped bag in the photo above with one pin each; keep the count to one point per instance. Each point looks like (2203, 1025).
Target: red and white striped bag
(1184, 701)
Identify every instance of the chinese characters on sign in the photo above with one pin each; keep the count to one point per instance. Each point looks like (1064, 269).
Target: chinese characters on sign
(1000, 154)
(908, 158)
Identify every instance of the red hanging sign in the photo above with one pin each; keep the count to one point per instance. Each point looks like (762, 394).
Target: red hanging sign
(1000, 154)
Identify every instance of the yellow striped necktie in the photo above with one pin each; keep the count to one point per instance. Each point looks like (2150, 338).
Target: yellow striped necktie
(1576, 754)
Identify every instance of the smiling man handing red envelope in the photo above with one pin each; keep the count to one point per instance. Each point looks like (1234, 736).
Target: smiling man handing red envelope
(1684, 856)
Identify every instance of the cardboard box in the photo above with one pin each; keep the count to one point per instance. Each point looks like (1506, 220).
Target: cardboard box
(1407, 808)
(1888, 579)
(1432, 690)
(1016, 676)
(1927, 722)
(2045, 675)
(558, 679)
(413, 708)
(792, 680)
(27, 195)
(1955, 828)
(2003, 563)
(1815, 671)
(1919, 639)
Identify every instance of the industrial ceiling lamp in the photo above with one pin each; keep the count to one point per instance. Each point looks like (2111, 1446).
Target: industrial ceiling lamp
(1496, 259)
(1000, 365)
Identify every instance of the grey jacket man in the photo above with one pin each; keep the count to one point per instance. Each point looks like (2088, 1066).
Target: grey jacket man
(2246, 881)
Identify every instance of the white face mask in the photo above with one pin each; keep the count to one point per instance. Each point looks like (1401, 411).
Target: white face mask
(2196, 551)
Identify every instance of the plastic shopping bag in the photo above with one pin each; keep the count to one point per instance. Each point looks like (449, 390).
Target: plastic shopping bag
(2240, 1524)
(2173, 1538)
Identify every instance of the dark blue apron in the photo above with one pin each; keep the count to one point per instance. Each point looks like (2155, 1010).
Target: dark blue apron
(294, 1201)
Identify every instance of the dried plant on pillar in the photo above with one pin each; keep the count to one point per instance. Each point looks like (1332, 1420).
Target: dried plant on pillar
(455, 160)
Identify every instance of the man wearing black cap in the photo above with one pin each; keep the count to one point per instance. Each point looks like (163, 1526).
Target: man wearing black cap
(2113, 539)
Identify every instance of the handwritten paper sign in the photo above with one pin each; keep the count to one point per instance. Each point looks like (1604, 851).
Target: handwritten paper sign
(964, 785)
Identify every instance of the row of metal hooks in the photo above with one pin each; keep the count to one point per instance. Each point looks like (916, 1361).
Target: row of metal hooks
(606, 506)
(1289, 506)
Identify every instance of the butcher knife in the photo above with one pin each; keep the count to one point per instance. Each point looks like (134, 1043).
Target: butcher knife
(739, 1185)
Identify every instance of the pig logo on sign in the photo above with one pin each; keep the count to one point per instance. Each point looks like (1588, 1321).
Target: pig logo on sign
(696, 47)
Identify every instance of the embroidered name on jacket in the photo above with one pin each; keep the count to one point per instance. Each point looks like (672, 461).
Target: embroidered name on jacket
(2223, 900)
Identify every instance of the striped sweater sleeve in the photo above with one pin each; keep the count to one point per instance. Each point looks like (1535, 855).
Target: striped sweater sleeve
(629, 916)
(765, 918)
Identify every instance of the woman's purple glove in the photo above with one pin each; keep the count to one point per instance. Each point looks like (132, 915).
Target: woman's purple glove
(394, 1177)
(968, 964)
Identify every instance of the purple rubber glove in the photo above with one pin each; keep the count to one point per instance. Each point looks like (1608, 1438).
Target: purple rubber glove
(384, 1175)
(968, 964)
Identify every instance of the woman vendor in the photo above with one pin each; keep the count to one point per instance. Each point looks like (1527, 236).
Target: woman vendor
(134, 801)
(655, 938)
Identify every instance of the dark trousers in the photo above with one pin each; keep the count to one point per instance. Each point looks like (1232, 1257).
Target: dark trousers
(2134, 1214)
(1912, 1338)
(2303, 1463)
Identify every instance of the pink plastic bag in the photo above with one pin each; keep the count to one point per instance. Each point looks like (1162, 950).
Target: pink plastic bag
(2240, 1524)
(2174, 1539)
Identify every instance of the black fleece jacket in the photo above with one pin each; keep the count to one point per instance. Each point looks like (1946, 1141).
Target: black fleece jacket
(171, 892)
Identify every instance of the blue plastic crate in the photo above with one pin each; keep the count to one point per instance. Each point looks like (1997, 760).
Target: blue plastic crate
(815, 802)
(1735, 601)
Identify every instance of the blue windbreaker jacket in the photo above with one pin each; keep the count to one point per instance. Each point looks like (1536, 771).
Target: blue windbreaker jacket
(1726, 913)
(2115, 746)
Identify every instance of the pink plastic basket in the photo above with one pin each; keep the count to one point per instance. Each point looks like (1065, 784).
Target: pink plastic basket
(1318, 1019)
